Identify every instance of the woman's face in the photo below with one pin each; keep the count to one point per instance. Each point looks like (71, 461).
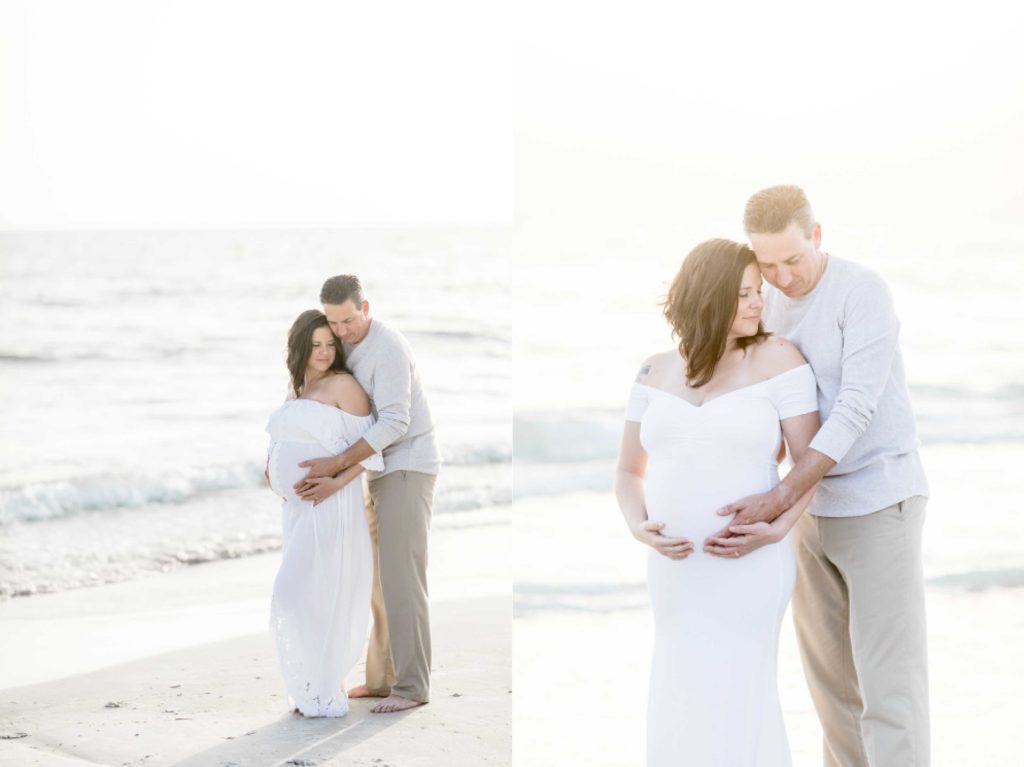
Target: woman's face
(324, 351)
(748, 311)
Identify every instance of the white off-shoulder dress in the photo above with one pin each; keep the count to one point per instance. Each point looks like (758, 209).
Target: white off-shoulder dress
(713, 695)
(320, 609)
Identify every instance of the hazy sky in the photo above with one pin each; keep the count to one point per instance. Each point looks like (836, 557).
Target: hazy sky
(904, 114)
(220, 114)
(138, 113)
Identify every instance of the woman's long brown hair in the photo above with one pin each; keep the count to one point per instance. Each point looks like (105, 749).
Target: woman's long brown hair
(300, 347)
(701, 305)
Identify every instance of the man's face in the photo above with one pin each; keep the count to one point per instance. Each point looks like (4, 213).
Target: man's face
(789, 259)
(348, 322)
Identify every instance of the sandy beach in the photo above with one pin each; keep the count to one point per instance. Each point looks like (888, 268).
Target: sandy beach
(179, 668)
(583, 636)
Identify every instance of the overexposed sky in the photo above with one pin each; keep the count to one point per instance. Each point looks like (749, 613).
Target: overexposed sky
(138, 114)
(898, 112)
(224, 113)
(643, 129)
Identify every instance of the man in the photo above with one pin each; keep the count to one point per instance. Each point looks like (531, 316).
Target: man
(858, 605)
(401, 496)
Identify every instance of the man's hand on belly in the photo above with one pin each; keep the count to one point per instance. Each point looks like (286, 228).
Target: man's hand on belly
(763, 507)
(741, 540)
(318, 468)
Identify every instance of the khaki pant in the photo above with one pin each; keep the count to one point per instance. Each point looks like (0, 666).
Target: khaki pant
(398, 658)
(858, 607)
(380, 668)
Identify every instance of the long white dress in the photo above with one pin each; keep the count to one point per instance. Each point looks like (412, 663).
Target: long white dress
(320, 609)
(713, 695)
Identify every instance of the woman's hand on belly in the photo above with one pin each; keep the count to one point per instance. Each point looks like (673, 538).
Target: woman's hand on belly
(319, 489)
(649, 533)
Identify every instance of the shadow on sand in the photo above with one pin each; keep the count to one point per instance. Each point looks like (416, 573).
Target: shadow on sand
(295, 740)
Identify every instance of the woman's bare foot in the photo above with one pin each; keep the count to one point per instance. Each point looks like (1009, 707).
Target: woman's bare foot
(394, 703)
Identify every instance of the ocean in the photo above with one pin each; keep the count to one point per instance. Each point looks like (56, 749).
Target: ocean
(138, 368)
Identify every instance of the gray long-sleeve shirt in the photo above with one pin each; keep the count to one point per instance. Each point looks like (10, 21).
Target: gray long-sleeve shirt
(384, 366)
(848, 330)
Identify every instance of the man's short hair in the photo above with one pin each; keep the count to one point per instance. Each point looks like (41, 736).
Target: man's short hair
(771, 210)
(341, 288)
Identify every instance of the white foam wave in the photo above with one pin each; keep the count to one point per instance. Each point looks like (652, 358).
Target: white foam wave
(38, 501)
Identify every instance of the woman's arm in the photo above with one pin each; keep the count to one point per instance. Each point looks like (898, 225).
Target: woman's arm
(629, 490)
(798, 432)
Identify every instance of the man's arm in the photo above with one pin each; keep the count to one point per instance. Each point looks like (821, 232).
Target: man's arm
(359, 451)
(392, 396)
(766, 507)
(805, 474)
(320, 489)
(870, 337)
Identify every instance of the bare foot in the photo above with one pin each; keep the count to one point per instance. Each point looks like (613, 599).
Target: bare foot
(362, 691)
(394, 703)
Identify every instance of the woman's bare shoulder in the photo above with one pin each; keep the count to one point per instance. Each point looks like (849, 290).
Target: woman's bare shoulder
(775, 355)
(347, 394)
(654, 367)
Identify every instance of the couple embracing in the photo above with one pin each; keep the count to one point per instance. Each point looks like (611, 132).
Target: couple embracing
(706, 425)
(356, 404)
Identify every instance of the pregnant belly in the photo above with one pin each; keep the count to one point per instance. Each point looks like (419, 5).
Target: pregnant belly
(284, 467)
(687, 501)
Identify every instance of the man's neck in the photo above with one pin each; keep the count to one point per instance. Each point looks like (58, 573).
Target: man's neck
(369, 327)
(823, 257)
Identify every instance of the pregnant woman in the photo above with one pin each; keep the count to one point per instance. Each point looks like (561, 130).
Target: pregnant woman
(320, 610)
(703, 426)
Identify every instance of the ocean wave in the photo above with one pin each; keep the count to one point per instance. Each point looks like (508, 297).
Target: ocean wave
(1006, 392)
(107, 354)
(467, 497)
(981, 580)
(14, 357)
(472, 455)
(536, 599)
(558, 478)
(121, 544)
(561, 438)
(39, 501)
(459, 335)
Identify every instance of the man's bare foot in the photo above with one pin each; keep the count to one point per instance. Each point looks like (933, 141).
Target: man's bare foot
(362, 691)
(394, 703)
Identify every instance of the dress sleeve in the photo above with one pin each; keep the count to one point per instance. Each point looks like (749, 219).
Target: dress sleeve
(637, 403)
(794, 392)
